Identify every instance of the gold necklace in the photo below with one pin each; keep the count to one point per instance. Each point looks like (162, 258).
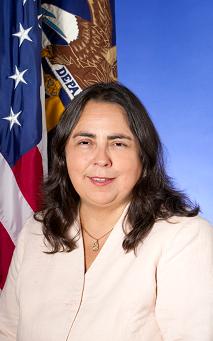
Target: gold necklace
(95, 242)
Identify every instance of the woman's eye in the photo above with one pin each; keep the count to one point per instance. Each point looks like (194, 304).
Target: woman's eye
(120, 144)
(84, 143)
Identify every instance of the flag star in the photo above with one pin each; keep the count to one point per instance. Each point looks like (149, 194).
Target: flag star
(23, 34)
(18, 76)
(13, 118)
(39, 17)
(24, 2)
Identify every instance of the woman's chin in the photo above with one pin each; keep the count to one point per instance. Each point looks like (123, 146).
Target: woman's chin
(105, 201)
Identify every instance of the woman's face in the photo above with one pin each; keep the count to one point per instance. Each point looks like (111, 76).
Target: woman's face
(102, 156)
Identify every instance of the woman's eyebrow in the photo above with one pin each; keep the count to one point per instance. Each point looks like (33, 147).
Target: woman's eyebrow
(109, 137)
(119, 136)
(84, 134)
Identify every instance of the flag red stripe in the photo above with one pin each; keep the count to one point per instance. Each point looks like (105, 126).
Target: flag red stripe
(28, 172)
(6, 252)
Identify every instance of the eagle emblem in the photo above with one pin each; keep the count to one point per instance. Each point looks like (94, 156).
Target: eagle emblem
(88, 52)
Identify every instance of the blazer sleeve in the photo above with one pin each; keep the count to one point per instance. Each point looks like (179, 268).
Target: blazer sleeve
(9, 306)
(184, 306)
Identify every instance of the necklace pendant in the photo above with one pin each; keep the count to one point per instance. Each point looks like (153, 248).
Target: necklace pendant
(95, 245)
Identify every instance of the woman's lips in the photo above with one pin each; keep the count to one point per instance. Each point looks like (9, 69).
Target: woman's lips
(98, 181)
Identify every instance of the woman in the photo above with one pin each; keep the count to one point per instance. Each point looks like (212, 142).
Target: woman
(117, 253)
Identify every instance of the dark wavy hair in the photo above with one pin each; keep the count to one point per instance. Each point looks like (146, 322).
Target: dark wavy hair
(153, 197)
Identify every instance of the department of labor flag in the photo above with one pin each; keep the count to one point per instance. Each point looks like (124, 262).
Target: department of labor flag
(79, 49)
(21, 133)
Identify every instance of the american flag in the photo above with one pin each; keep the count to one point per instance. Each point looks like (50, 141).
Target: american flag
(22, 134)
(22, 142)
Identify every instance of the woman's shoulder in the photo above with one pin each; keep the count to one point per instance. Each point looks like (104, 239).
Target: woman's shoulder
(31, 234)
(32, 227)
(174, 224)
(182, 235)
(182, 231)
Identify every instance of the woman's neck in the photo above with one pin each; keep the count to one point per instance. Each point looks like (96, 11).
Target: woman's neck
(98, 220)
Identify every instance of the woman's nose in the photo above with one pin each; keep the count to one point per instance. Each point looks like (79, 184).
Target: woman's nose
(102, 158)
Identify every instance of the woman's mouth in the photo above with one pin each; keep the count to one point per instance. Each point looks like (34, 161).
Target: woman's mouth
(98, 181)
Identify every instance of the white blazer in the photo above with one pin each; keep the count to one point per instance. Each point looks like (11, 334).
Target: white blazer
(164, 293)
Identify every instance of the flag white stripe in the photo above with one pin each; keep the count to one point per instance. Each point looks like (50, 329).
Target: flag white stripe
(14, 209)
(42, 146)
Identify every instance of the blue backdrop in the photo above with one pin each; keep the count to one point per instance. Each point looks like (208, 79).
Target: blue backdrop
(165, 55)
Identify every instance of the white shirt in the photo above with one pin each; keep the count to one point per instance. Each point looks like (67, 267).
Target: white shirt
(165, 292)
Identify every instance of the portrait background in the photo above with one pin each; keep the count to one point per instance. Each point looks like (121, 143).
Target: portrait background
(165, 53)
